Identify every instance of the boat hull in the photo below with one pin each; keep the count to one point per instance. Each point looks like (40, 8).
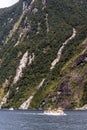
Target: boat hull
(54, 114)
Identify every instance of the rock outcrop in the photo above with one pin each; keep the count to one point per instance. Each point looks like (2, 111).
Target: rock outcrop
(61, 50)
(20, 68)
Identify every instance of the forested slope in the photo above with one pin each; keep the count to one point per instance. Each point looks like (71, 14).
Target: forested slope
(43, 54)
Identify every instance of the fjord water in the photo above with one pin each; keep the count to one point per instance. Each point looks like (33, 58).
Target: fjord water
(36, 120)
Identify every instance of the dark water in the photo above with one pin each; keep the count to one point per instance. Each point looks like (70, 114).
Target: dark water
(35, 120)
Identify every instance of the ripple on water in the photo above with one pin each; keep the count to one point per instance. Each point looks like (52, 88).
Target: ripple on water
(36, 120)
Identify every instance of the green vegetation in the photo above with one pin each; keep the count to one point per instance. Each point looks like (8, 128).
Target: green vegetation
(64, 84)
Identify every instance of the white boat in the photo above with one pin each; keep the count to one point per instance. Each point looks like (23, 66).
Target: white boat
(11, 109)
(54, 112)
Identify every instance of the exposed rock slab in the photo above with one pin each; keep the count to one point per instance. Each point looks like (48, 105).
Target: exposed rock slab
(57, 59)
(26, 104)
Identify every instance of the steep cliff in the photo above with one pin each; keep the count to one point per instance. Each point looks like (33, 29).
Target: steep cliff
(43, 54)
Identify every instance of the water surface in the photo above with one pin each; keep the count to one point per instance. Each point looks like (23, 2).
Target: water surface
(36, 120)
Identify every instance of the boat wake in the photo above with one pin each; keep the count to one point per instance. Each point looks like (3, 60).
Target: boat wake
(44, 114)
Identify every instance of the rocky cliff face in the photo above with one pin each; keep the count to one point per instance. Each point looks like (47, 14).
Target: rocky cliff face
(43, 54)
